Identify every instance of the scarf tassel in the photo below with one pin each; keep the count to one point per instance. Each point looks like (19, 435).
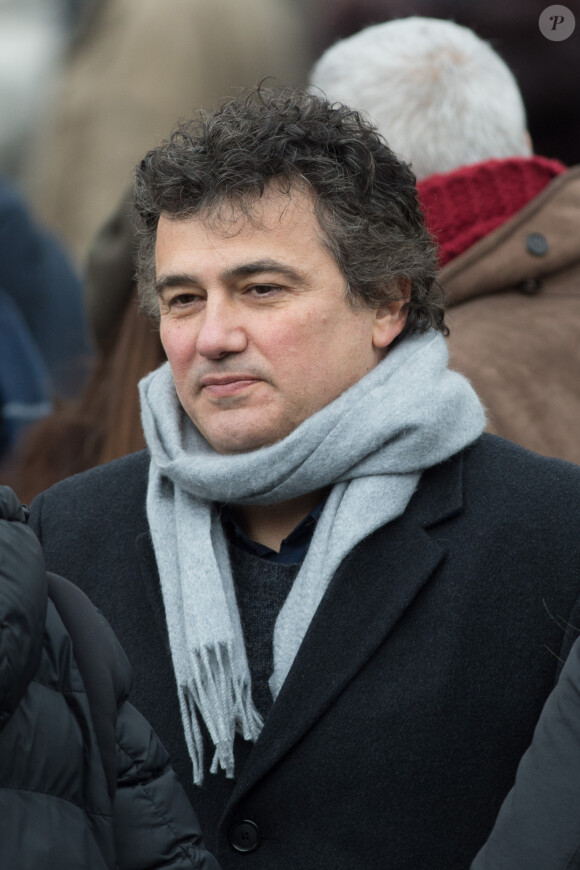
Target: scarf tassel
(224, 701)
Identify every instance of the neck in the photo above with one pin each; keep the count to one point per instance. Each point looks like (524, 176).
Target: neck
(270, 524)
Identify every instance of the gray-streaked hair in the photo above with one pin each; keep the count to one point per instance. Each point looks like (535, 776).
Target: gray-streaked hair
(364, 197)
(440, 95)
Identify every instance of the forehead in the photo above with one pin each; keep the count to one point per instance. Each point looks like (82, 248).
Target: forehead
(280, 223)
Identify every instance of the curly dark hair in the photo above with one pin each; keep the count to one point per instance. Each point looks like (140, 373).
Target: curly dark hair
(364, 197)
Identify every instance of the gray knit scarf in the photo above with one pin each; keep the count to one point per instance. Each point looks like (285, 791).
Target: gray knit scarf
(371, 444)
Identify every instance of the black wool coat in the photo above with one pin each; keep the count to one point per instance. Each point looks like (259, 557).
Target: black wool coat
(415, 692)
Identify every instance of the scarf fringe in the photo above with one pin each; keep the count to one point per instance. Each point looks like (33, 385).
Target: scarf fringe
(224, 701)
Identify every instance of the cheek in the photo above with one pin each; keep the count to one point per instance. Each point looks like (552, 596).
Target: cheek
(291, 351)
(178, 343)
(300, 336)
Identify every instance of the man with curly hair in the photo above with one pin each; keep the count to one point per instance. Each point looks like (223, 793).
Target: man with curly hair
(335, 591)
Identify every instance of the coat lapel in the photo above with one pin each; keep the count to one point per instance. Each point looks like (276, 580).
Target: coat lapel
(149, 576)
(373, 587)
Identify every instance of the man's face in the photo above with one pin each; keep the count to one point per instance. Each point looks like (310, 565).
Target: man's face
(255, 324)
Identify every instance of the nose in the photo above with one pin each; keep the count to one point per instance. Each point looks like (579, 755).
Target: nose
(221, 332)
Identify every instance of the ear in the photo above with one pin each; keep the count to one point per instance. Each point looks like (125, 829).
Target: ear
(391, 318)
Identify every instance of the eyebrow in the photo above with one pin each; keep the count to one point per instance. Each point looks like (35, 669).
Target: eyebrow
(243, 270)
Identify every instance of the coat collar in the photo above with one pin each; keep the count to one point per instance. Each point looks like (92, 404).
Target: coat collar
(465, 205)
(503, 260)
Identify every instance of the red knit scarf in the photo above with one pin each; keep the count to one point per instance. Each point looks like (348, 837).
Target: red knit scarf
(463, 206)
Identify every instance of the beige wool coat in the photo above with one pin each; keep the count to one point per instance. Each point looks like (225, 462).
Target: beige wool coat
(514, 316)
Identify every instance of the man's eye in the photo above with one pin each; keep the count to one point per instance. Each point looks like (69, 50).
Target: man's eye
(264, 289)
(182, 299)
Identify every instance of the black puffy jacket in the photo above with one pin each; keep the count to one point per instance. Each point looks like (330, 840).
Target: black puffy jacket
(84, 781)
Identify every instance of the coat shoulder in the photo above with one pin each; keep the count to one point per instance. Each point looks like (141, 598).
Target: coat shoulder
(99, 496)
(498, 463)
(522, 493)
(126, 473)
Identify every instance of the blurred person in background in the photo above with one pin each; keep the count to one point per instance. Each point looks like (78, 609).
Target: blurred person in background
(45, 349)
(134, 68)
(547, 72)
(506, 221)
(33, 39)
(137, 66)
(104, 423)
(84, 780)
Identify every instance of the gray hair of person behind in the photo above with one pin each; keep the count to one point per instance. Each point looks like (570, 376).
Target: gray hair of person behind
(440, 95)
(364, 198)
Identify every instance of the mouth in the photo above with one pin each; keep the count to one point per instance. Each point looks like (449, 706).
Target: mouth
(227, 385)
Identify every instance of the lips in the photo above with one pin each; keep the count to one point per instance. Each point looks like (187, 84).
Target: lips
(227, 385)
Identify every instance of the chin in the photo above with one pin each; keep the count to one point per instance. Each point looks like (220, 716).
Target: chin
(237, 442)
(245, 433)
(237, 448)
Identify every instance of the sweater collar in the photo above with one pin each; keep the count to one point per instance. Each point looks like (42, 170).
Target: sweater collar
(293, 548)
(463, 206)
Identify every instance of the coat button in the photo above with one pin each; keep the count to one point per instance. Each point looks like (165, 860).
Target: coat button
(537, 245)
(245, 836)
